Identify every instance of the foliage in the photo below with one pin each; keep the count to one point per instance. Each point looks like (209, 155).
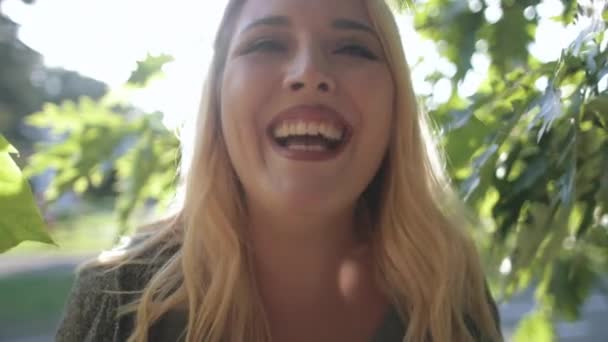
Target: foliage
(532, 161)
(26, 84)
(20, 219)
(535, 327)
(106, 139)
(33, 302)
(147, 68)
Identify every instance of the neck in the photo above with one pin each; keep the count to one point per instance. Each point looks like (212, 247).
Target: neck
(302, 254)
(315, 274)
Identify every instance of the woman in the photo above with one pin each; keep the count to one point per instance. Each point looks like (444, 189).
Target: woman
(315, 209)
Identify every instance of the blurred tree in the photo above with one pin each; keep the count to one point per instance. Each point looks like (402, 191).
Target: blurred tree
(26, 84)
(532, 161)
(109, 139)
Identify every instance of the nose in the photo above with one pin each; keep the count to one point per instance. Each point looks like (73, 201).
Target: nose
(309, 70)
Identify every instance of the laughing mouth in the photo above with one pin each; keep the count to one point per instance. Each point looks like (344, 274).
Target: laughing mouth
(309, 136)
(310, 128)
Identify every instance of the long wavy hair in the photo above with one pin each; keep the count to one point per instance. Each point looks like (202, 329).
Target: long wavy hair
(425, 260)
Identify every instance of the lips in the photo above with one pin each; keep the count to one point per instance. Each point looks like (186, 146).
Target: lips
(309, 132)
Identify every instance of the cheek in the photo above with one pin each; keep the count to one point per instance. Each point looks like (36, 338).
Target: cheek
(236, 120)
(373, 93)
(243, 95)
(245, 89)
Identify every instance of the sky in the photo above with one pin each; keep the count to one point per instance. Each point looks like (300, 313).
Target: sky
(104, 38)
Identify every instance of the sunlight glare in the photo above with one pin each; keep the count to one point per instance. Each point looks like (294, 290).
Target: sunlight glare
(505, 266)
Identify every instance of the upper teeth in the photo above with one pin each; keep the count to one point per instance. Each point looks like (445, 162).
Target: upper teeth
(289, 128)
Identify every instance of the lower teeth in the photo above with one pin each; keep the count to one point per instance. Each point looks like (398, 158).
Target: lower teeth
(307, 143)
(306, 147)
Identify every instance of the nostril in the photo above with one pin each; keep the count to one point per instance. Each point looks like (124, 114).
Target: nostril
(297, 85)
(323, 86)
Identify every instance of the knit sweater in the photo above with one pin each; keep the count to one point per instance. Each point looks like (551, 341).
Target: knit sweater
(91, 310)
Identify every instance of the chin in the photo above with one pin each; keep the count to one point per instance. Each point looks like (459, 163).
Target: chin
(307, 202)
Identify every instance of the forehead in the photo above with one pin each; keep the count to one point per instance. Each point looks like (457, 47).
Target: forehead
(303, 11)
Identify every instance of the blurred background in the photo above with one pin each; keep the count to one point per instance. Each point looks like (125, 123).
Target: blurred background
(96, 94)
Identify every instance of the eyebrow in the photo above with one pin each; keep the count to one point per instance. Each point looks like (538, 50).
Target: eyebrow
(340, 24)
(269, 21)
(349, 24)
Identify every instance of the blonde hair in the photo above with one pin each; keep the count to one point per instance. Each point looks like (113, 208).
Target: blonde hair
(426, 262)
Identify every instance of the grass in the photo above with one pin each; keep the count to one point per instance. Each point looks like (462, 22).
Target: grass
(32, 303)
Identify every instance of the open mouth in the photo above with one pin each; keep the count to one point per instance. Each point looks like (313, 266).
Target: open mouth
(299, 135)
(309, 133)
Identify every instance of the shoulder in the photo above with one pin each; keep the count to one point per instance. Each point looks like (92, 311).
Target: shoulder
(100, 289)
(91, 308)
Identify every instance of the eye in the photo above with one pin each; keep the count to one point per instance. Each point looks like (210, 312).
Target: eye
(357, 51)
(265, 45)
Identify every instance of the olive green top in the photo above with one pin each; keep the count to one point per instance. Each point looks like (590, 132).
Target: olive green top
(91, 309)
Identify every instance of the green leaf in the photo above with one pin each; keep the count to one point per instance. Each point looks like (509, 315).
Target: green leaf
(570, 284)
(509, 38)
(464, 135)
(148, 69)
(452, 23)
(480, 168)
(5, 147)
(570, 11)
(533, 173)
(536, 327)
(96, 136)
(401, 5)
(599, 104)
(20, 219)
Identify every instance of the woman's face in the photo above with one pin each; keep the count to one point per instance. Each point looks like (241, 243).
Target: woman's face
(306, 103)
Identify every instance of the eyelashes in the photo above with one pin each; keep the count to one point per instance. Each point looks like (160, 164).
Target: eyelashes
(264, 45)
(276, 46)
(358, 51)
